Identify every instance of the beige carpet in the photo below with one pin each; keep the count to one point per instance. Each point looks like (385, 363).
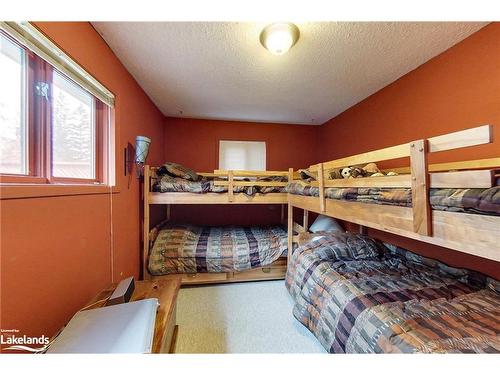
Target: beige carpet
(252, 317)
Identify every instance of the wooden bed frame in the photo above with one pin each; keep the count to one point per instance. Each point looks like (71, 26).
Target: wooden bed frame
(231, 179)
(469, 233)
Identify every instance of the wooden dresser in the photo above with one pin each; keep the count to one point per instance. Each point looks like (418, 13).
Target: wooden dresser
(166, 291)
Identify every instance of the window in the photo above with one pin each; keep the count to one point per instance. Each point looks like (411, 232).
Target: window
(13, 126)
(242, 155)
(73, 130)
(53, 129)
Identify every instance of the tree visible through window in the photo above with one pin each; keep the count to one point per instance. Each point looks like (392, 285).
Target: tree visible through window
(73, 137)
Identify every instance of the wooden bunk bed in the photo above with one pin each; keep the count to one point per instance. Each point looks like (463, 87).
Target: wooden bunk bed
(225, 178)
(476, 234)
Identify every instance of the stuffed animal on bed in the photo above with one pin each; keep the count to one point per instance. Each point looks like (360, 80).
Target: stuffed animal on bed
(335, 174)
(369, 170)
(358, 172)
(339, 173)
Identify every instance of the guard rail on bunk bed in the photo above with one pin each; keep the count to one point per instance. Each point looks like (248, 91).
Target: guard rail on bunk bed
(231, 179)
(222, 178)
(476, 234)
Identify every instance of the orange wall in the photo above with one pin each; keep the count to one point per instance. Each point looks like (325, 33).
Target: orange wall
(56, 252)
(456, 90)
(195, 143)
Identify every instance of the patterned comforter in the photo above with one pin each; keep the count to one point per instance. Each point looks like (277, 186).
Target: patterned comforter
(169, 184)
(190, 249)
(359, 296)
(478, 201)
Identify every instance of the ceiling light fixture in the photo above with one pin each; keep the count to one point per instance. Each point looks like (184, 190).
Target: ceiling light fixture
(278, 38)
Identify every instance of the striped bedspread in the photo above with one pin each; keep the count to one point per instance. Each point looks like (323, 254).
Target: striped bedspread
(169, 184)
(190, 249)
(477, 201)
(358, 296)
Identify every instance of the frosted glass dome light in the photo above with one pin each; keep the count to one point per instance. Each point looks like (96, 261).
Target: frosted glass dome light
(278, 38)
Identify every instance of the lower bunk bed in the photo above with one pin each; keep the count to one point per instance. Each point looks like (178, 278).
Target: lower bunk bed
(357, 295)
(204, 255)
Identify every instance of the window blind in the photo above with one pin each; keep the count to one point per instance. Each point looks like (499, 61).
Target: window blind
(242, 155)
(30, 37)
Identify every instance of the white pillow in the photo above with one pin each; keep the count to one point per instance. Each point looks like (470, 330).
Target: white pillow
(325, 224)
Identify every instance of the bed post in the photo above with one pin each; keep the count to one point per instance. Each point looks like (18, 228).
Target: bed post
(230, 190)
(422, 220)
(290, 220)
(321, 187)
(305, 221)
(145, 233)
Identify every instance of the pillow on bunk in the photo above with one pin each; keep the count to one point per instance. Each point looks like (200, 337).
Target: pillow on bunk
(307, 175)
(325, 224)
(178, 170)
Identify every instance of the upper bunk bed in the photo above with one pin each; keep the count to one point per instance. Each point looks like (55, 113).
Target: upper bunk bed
(219, 187)
(424, 202)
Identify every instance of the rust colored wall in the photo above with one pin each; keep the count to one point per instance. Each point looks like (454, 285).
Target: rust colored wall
(195, 143)
(56, 252)
(458, 89)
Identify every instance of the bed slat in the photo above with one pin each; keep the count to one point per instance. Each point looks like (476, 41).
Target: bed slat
(388, 153)
(457, 165)
(464, 138)
(251, 183)
(387, 181)
(239, 173)
(480, 179)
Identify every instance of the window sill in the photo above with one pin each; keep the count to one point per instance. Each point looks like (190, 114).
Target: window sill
(18, 191)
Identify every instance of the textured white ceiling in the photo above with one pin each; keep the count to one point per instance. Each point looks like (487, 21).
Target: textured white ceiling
(219, 70)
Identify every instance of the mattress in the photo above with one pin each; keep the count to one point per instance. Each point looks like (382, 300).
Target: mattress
(191, 249)
(360, 296)
(477, 201)
(169, 184)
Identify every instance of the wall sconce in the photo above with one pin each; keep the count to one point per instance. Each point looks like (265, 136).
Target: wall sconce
(141, 153)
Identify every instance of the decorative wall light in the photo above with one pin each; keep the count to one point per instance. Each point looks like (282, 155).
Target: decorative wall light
(279, 37)
(141, 153)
